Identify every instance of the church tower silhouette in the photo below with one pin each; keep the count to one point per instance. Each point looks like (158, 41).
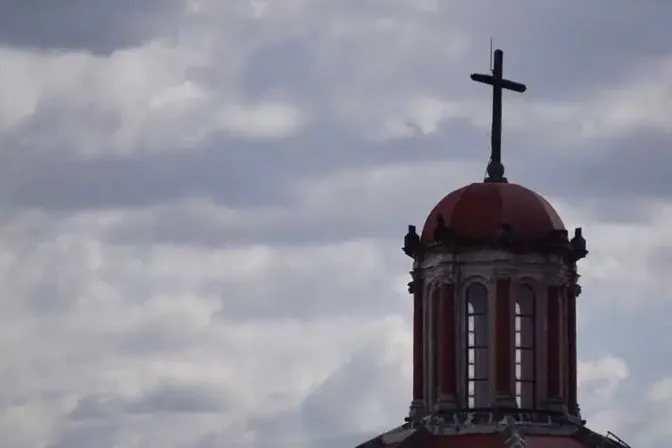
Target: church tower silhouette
(494, 285)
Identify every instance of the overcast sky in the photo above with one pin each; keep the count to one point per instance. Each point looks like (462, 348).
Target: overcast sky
(203, 203)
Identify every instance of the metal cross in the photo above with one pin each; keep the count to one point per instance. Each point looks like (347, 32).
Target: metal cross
(495, 167)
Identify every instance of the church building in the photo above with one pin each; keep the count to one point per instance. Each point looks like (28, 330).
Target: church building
(494, 286)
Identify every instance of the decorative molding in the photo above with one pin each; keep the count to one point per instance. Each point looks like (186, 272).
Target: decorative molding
(490, 421)
(505, 272)
(481, 273)
(555, 275)
(513, 266)
(438, 275)
(513, 438)
(489, 256)
(436, 260)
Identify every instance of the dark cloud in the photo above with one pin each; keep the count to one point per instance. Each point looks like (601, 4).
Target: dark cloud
(179, 399)
(559, 52)
(615, 182)
(636, 165)
(73, 184)
(294, 226)
(313, 66)
(568, 49)
(102, 434)
(95, 407)
(233, 172)
(243, 174)
(170, 398)
(98, 26)
(157, 338)
(264, 183)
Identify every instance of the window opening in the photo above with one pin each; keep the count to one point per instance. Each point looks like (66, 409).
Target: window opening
(477, 346)
(525, 348)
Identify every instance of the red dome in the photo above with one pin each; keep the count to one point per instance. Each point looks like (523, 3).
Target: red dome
(478, 211)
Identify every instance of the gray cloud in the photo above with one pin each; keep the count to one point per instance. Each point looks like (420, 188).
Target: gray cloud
(101, 435)
(230, 171)
(244, 174)
(633, 166)
(295, 290)
(179, 399)
(239, 291)
(569, 50)
(152, 338)
(94, 26)
(327, 417)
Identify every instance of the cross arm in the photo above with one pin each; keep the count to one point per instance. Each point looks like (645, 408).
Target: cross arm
(503, 83)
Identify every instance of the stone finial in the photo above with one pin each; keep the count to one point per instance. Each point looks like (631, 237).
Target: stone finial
(411, 242)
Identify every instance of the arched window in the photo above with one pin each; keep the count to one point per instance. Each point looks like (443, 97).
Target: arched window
(477, 346)
(525, 356)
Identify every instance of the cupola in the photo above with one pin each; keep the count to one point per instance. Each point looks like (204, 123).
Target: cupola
(494, 285)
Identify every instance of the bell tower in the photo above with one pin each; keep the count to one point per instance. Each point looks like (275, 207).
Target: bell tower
(494, 297)
(494, 305)
(494, 287)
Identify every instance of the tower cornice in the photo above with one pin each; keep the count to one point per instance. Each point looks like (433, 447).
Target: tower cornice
(441, 273)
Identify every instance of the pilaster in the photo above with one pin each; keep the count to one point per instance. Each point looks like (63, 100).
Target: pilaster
(554, 349)
(571, 351)
(503, 341)
(447, 374)
(418, 345)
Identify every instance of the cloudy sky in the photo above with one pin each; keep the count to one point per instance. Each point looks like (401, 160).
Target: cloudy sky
(203, 203)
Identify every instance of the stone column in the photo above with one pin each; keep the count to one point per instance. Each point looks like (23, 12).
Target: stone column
(418, 404)
(572, 400)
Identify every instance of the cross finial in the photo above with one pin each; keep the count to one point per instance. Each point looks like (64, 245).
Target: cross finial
(496, 80)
